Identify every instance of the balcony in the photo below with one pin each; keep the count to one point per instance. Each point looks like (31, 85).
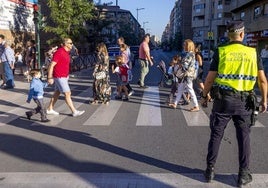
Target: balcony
(198, 23)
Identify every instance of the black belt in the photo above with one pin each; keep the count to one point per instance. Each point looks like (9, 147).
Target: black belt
(143, 59)
(234, 93)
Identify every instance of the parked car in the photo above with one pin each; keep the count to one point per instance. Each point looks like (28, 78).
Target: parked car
(205, 54)
(134, 53)
(113, 52)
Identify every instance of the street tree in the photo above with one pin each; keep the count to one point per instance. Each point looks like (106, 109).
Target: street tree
(69, 17)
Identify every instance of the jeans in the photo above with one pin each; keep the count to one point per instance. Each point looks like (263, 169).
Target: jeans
(9, 77)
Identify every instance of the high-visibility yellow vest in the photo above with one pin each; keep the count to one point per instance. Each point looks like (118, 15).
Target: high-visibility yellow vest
(237, 68)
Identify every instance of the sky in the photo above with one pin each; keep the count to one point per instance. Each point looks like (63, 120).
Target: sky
(155, 12)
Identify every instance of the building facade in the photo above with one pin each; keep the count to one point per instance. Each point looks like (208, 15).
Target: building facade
(179, 22)
(255, 16)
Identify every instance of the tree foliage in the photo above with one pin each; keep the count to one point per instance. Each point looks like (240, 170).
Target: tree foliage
(69, 17)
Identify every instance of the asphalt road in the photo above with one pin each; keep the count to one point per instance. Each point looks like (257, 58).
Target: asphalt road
(142, 135)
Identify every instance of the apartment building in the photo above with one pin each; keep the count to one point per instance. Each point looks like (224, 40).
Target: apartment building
(117, 20)
(209, 19)
(255, 16)
(180, 21)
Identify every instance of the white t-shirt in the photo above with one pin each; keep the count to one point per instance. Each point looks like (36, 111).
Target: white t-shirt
(264, 53)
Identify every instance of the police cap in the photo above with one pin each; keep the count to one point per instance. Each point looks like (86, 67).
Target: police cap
(235, 26)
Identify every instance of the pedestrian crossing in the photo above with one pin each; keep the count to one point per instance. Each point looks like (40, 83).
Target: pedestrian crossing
(150, 111)
(149, 114)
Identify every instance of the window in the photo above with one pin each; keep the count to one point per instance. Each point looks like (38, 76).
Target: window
(227, 2)
(257, 11)
(265, 12)
(219, 5)
(242, 15)
(220, 15)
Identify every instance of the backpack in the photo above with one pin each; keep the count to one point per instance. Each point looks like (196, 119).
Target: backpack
(124, 72)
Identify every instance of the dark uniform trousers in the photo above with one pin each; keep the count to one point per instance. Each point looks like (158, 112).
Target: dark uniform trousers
(230, 106)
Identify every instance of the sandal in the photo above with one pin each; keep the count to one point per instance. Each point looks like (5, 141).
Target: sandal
(172, 105)
(106, 102)
(194, 109)
(94, 102)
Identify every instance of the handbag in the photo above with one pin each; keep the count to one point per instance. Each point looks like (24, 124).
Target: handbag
(100, 75)
(180, 73)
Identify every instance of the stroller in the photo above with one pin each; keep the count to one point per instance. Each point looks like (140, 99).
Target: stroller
(166, 80)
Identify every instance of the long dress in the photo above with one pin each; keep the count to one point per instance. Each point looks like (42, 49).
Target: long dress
(101, 82)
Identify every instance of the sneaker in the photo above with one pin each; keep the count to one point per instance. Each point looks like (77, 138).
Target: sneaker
(144, 87)
(52, 112)
(29, 115)
(244, 177)
(45, 120)
(131, 93)
(78, 113)
(209, 173)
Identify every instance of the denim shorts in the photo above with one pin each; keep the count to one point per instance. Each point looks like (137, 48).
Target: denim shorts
(61, 84)
(265, 65)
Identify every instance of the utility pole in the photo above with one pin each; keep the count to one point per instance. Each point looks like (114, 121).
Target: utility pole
(37, 21)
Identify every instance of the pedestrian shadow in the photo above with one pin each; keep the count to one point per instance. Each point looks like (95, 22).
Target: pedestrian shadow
(46, 154)
(87, 140)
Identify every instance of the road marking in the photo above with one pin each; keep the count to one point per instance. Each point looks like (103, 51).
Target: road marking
(258, 124)
(63, 108)
(11, 115)
(105, 114)
(200, 118)
(150, 111)
(195, 118)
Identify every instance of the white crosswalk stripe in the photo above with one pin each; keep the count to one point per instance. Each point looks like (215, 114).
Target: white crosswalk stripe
(149, 114)
(150, 111)
(107, 112)
(195, 118)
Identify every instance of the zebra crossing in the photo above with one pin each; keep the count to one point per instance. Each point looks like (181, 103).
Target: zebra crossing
(149, 114)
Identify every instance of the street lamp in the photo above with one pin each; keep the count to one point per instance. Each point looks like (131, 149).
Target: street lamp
(144, 24)
(138, 9)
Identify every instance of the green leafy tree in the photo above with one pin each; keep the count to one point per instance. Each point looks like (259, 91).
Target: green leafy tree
(69, 17)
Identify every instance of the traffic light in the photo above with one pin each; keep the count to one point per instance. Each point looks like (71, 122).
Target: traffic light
(38, 19)
(36, 13)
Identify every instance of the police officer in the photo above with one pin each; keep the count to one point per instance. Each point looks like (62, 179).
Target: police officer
(234, 70)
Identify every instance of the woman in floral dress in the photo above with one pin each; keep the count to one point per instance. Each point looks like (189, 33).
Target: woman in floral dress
(101, 81)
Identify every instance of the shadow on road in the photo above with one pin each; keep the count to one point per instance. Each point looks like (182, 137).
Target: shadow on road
(36, 151)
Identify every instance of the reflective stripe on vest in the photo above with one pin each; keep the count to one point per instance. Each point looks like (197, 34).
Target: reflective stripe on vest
(237, 67)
